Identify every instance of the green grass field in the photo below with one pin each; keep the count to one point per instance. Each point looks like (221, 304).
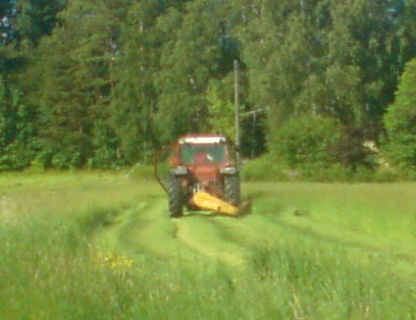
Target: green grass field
(87, 245)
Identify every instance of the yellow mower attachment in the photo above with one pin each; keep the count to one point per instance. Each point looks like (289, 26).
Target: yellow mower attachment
(206, 201)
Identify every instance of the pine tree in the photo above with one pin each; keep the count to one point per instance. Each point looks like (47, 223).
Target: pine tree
(35, 19)
(136, 66)
(400, 121)
(77, 83)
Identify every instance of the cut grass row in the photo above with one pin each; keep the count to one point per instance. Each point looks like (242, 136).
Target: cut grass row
(109, 252)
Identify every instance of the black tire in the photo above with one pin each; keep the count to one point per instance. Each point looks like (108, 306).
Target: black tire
(232, 188)
(176, 197)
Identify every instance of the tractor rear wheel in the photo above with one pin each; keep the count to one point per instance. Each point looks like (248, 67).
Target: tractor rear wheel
(176, 197)
(232, 188)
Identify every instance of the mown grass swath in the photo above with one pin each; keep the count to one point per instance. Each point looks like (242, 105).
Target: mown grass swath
(53, 265)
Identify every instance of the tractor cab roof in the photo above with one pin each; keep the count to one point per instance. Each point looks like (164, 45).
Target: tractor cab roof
(202, 139)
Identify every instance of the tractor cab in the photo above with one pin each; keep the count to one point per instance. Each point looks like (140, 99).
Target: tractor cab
(203, 150)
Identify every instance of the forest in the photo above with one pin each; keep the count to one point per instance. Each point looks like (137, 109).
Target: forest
(104, 83)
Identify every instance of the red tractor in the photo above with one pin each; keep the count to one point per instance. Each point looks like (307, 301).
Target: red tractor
(203, 176)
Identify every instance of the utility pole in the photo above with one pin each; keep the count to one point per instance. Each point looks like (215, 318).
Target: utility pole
(237, 113)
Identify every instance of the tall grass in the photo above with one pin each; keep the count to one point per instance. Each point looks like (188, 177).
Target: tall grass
(378, 210)
(324, 284)
(51, 269)
(47, 273)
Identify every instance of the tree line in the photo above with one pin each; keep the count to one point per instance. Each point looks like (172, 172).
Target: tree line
(103, 83)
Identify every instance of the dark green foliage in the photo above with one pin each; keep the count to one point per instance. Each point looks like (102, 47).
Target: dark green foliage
(36, 18)
(266, 168)
(307, 140)
(77, 88)
(22, 24)
(134, 69)
(103, 83)
(400, 121)
(331, 58)
(17, 126)
(190, 59)
(351, 152)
